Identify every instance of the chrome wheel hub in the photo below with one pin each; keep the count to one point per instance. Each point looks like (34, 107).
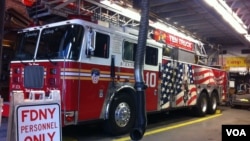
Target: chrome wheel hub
(122, 114)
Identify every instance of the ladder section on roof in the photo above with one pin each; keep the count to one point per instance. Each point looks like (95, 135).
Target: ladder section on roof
(201, 55)
(213, 55)
(56, 10)
(91, 10)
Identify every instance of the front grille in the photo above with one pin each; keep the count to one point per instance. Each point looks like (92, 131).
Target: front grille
(33, 76)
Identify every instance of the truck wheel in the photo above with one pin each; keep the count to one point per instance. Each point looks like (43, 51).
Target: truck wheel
(121, 115)
(212, 104)
(201, 106)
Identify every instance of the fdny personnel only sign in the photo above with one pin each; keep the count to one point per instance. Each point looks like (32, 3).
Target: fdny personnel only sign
(38, 122)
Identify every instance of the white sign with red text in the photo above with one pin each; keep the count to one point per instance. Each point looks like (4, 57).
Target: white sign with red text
(38, 122)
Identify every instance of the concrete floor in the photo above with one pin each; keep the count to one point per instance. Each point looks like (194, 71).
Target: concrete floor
(208, 128)
(175, 126)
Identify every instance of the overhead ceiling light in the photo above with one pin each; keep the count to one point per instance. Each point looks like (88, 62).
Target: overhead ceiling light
(135, 15)
(247, 37)
(229, 16)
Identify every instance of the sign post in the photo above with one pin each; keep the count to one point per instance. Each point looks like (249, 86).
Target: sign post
(35, 119)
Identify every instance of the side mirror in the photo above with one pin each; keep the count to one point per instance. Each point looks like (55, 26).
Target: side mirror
(90, 43)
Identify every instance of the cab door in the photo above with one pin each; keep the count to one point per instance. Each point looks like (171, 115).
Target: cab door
(151, 77)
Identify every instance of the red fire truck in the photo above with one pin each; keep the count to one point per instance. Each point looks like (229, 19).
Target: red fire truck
(93, 68)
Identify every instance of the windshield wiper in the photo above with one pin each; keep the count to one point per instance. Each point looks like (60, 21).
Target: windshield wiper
(49, 58)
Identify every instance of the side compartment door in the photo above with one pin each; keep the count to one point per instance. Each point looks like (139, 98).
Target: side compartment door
(172, 81)
(151, 77)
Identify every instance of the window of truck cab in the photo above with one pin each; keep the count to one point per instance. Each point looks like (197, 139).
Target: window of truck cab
(129, 52)
(98, 44)
(26, 45)
(61, 42)
(151, 56)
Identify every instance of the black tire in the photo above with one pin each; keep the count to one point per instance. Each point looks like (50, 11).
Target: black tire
(212, 104)
(121, 115)
(201, 106)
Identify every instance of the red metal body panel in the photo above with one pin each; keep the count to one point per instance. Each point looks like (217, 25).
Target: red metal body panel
(78, 91)
(152, 81)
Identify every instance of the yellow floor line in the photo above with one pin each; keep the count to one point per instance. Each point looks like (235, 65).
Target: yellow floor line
(218, 113)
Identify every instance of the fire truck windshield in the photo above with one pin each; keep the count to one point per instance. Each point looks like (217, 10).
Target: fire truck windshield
(26, 45)
(60, 42)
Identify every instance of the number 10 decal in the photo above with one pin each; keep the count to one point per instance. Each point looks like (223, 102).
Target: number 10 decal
(151, 79)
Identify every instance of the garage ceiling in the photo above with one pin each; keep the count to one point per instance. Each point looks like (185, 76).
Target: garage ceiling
(194, 17)
(199, 19)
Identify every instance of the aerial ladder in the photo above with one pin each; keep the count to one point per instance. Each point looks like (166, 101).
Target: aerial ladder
(48, 11)
(55, 10)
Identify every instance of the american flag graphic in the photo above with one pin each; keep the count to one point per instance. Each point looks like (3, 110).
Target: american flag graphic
(174, 74)
(221, 79)
(179, 80)
(204, 75)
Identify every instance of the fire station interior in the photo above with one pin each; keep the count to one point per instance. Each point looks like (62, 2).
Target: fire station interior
(226, 44)
(222, 25)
